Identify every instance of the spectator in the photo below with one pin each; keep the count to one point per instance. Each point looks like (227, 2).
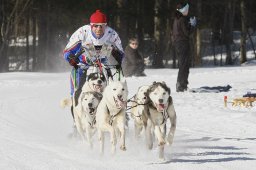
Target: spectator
(182, 28)
(133, 63)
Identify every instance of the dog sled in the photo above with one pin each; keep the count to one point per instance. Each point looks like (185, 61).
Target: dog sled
(246, 101)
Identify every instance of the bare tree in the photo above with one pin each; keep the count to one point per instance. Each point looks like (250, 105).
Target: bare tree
(197, 61)
(243, 32)
(228, 30)
(11, 12)
(158, 34)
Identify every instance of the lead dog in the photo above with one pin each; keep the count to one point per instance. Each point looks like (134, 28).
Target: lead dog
(110, 115)
(160, 109)
(138, 113)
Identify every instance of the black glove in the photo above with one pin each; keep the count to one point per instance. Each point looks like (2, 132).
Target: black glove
(118, 66)
(73, 60)
(118, 55)
(73, 63)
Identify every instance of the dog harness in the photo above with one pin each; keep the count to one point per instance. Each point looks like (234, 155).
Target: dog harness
(111, 119)
(93, 122)
(164, 115)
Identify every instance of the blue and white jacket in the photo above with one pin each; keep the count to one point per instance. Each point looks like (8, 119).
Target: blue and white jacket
(85, 37)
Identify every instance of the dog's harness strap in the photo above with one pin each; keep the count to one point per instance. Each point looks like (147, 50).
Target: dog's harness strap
(137, 104)
(130, 107)
(131, 98)
(100, 65)
(85, 74)
(119, 72)
(111, 119)
(165, 116)
(93, 122)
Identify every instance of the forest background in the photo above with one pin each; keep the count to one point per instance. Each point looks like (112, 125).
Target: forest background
(35, 32)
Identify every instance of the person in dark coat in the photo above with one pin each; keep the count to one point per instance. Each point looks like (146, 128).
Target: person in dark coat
(182, 28)
(133, 63)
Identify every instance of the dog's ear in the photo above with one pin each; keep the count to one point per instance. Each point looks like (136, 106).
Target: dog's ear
(147, 92)
(163, 82)
(154, 82)
(90, 76)
(170, 100)
(139, 89)
(124, 82)
(169, 90)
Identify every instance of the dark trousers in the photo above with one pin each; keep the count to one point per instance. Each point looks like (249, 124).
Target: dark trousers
(182, 51)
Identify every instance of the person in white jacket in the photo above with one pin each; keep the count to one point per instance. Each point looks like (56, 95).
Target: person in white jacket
(95, 34)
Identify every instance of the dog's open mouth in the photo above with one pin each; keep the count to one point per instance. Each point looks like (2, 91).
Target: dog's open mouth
(119, 101)
(160, 107)
(91, 110)
(97, 87)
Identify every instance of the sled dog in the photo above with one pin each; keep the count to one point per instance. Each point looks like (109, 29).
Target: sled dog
(138, 113)
(84, 114)
(96, 82)
(160, 109)
(110, 115)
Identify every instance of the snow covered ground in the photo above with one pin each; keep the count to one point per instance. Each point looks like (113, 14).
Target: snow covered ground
(34, 129)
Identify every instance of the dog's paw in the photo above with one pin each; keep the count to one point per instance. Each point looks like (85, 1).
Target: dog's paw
(113, 141)
(161, 142)
(123, 148)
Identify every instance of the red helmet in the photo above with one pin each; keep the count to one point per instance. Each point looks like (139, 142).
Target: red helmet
(98, 18)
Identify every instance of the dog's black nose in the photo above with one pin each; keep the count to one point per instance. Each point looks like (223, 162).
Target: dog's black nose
(90, 104)
(161, 100)
(99, 81)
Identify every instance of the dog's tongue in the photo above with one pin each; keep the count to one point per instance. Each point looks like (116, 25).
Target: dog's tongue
(120, 103)
(97, 88)
(160, 107)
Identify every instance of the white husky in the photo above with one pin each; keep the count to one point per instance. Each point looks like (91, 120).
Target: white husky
(160, 109)
(110, 115)
(84, 114)
(138, 113)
